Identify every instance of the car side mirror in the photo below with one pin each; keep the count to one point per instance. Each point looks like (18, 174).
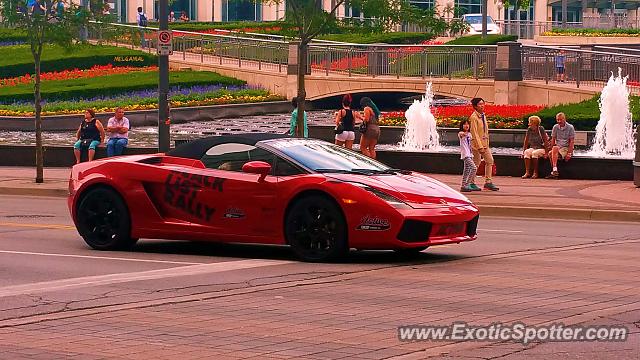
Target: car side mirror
(257, 167)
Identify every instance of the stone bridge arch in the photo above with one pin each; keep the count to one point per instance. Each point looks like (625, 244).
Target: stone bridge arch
(320, 87)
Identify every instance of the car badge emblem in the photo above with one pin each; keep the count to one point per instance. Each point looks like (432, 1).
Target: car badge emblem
(443, 201)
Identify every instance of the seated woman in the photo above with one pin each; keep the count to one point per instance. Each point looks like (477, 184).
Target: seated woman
(184, 17)
(535, 146)
(90, 134)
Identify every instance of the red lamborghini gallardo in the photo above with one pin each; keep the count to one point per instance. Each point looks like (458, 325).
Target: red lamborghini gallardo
(319, 198)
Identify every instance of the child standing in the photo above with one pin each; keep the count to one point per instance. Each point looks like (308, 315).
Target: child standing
(469, 172)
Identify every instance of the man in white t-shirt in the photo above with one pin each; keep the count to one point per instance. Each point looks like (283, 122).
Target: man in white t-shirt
(118, 130)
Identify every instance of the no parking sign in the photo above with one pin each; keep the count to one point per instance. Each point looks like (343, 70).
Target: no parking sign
(165, 40)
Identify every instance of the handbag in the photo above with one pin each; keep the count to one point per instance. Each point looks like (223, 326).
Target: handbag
(363, 127)
(481, 167)
(339, 128)
(545, 140)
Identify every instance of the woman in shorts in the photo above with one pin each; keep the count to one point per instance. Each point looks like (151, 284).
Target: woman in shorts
(345, 123)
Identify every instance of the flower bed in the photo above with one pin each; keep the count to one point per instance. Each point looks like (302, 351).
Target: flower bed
(594, 32)
(95, 71)
(498, 116)
(147, 100)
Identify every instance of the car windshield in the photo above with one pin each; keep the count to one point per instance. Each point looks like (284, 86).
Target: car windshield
(321, 156)
(477, 19)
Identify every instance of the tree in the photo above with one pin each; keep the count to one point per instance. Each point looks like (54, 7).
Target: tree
(45, 23)
(309, 19)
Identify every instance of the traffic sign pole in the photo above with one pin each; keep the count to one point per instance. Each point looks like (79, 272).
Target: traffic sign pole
(164, 122)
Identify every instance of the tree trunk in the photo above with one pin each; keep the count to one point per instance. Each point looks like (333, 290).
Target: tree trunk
(302, 94)
(38, 124)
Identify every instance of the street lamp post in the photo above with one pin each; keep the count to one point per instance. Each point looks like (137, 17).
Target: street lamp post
(163, 84)
(484, 18)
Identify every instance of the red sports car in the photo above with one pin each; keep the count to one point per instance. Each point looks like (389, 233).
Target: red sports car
(319, 198)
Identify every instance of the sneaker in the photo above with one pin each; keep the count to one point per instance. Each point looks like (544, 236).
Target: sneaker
(474, 187)
(466, 189)
(490, 186)
(553, 175)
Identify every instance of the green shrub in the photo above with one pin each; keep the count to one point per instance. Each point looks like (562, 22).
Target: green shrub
(12, 35)
(17, 60)
(583, 115)
(387, 38)
(199, 26)
(110, 85)
(491, 39)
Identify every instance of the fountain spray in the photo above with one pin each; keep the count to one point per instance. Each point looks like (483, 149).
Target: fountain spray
(420, 130)
(614, 132)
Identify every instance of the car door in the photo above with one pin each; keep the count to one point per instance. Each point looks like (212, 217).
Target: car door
(244, 204)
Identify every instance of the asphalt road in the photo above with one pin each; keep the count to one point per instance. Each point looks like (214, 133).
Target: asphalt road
(47, 272)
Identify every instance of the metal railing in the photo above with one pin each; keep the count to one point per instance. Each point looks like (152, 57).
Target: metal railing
(230, 48)
(581, 67)
(424, 61)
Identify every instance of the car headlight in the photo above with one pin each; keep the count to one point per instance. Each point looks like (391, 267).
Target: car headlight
(390, 199)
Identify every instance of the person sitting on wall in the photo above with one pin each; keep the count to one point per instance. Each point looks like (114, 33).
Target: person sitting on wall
(90, 134)
(562, 141)
(183, 16)
(118, 129)
(534, 147)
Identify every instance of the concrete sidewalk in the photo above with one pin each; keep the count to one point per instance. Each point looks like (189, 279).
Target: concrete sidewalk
(539, 198)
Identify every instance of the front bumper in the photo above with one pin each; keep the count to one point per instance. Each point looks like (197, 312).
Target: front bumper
(410, 228)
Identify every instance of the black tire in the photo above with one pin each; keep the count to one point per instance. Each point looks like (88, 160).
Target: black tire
(103, 220)
(316, 229)
(410, 252)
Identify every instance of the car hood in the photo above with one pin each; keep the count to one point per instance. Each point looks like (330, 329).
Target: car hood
(417, 190)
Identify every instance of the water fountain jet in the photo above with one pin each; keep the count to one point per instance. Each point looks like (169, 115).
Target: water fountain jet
(614, 132)
(420, 130)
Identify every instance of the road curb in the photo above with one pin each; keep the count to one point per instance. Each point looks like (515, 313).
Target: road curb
(34, 192)
(485, 210)
(559, 213)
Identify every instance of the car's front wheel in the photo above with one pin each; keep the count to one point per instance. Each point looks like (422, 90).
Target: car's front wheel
(316, 229)
(103, 220)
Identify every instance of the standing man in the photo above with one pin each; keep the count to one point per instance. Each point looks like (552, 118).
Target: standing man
(294, 131)
(560, 60)
(480, 144)
(142, 23)
(118, 130)
(562, 140)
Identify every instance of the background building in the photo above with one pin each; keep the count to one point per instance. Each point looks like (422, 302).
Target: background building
(593, 13)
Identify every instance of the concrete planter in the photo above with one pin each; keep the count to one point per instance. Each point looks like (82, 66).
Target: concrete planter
(440, 163)
(148, 117)
(512, 138)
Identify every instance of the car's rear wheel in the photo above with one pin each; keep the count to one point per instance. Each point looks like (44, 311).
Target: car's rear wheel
(409, 252)
(316, 229)
(103, 220)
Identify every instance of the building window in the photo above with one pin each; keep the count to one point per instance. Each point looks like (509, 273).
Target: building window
(422, 4)
(178, 7)
(469, 6)
(241, 10)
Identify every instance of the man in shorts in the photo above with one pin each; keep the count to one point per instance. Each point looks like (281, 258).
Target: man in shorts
(562, 139)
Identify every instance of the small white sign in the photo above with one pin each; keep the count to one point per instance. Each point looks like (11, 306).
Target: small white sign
(581, 138)
(165, 42)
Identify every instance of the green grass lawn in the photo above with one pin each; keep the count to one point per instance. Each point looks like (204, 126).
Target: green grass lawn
(17, 60)
(109, 85)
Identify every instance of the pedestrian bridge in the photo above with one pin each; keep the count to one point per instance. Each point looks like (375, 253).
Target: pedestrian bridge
(454, 71)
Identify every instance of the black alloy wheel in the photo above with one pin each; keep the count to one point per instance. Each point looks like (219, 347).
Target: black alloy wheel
(103, 220)
(316, 229)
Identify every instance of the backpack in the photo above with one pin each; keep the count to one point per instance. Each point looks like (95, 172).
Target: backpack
(143, 20)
